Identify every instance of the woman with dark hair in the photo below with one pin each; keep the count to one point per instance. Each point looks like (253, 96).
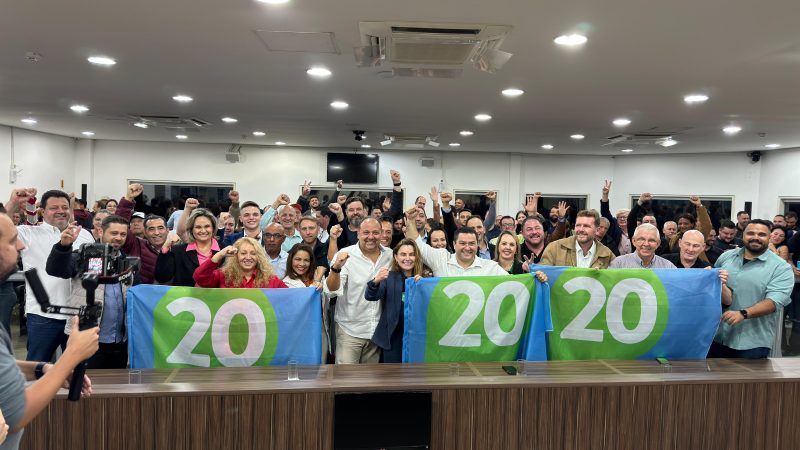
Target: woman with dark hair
(437, 238)
(388, 287)
(301, 268)
(777, 243)
(111, 206)
(177, 263)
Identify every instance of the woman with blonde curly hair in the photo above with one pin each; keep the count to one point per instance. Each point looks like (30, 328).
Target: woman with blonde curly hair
(246, 267)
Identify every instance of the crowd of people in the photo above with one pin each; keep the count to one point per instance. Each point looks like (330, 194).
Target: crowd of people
(359, 256)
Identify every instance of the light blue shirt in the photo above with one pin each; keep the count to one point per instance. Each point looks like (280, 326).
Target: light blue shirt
(633, 261)
(113, 318)
(766, 277)
(290, 241)
(172, 222)
(279, 264)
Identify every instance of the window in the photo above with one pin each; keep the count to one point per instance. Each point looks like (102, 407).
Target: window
(668, 208)
(163, 197)
(575, 202)
(791, 204)
(474, 201)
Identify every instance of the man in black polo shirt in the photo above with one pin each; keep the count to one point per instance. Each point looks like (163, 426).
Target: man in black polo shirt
(691, 245)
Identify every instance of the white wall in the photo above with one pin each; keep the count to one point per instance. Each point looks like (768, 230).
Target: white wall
(265, 172)
(46, 160)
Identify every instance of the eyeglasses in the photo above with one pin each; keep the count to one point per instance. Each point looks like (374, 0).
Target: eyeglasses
(272, 236)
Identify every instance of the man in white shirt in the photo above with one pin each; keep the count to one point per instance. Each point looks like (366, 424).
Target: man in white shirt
(46, 331)
(464, 262)
(356, 318)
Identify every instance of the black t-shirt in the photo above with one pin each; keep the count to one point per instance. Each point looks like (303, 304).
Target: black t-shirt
(675, 258)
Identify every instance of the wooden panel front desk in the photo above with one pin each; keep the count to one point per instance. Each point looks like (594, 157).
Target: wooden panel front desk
(714, 404)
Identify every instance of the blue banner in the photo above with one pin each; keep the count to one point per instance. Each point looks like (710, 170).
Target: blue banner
(632, 313)
(497, 318)
(195, 327)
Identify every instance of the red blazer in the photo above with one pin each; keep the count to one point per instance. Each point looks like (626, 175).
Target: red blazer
(209, 276)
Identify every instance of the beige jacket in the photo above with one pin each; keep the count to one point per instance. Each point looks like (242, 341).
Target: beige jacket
(562, 253)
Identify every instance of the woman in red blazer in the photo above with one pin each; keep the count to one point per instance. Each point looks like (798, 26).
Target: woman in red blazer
(247, 266)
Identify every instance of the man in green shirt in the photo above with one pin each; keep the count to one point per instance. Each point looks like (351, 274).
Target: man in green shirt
(761, 282)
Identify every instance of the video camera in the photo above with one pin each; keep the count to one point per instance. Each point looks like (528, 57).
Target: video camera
(99, 264)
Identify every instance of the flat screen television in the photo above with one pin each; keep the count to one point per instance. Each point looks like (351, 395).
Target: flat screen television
(353, 167)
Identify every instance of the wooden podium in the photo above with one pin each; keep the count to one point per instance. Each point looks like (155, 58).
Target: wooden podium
(713, 404)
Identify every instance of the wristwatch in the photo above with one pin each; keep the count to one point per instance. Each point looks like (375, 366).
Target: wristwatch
(335, 270)
(743, 312)
(38, 371)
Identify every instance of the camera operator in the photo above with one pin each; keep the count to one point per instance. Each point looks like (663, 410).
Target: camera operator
(63, 262)
(20, 404)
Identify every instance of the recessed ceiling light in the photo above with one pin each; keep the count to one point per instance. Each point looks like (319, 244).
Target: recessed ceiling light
(229, 120)
(626, 150)
(454, 144)
(513, 92)
(273, 2)
(79, 108)
(141, 125)
(87, 133)
(466, 133)
(29, 121)
(577, 137)
(772, 145)
(280, 143)
(483, 117)
(181, 136)
(731, 129)
(695, 98)
(338, 104)
(667, 142)
(102, 60)
(259, 133)
(621, 122)
(366, 146)
(182, 98)
(570, 40)
(547, 147)
(319, 72)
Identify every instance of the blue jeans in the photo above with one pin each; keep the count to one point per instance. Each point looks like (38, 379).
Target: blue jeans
(44, 336)
(718, 350)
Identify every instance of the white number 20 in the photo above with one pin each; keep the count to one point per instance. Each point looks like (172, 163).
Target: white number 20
(457, 336)
(577, 328)
(220, 338)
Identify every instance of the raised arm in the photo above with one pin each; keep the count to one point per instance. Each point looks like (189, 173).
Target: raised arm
(605, 210)
(638, 208)
(396, 210)
(491, 213)
(437, 212)
(189, 206)
(703, 219)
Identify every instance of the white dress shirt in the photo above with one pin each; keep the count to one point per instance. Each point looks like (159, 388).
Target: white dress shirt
(584, 262)
(39, 241)
(357, 316)
(445, 264)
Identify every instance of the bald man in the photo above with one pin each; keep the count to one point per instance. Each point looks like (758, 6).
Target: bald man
(691, 245)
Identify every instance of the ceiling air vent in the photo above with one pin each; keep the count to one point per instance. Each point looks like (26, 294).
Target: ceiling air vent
(432, 44)
(409, 140)
(167, 121)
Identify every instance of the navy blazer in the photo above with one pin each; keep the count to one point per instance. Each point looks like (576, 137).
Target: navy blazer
(390, 292)
(178, 265)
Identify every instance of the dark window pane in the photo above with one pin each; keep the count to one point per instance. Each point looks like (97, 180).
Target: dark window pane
(474, 201)
(162, 197)
(670, 208)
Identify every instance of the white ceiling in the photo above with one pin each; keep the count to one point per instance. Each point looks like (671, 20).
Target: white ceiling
(641, 59)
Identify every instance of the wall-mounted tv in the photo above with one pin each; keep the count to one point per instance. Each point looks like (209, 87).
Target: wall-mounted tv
(353, 167)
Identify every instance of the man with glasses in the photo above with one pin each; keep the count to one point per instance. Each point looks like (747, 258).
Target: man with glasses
(274, 236)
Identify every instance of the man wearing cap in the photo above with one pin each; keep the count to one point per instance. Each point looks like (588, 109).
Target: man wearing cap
(137, 224)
